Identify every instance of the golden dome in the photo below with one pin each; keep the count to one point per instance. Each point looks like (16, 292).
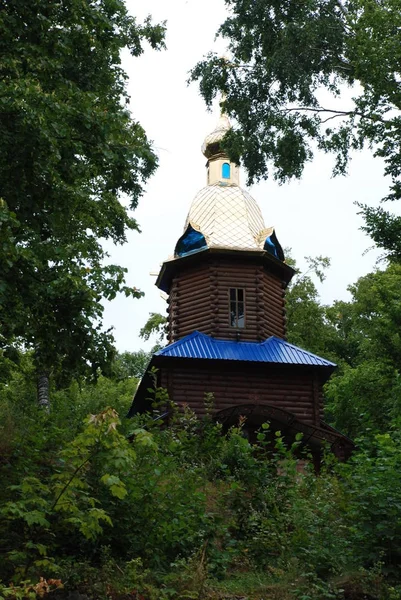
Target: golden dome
(211, 144)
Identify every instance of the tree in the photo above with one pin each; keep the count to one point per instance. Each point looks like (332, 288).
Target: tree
(366, 393)
(128, 365)
(155, 326)
(307, 325)
(373, 317)
(364, 399)
(69, 150)
(282, 56)
(362, 337)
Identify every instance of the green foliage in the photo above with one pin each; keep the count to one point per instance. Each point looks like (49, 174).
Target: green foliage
(70, 149)
(282, 56)
(184, 511)
(306, 317)
(41, 511)
(155, 326)
(365, 398)
(130, 364)
(117, 508)
(377, 314)
(367, 342)
(373, 486)
(362, 337)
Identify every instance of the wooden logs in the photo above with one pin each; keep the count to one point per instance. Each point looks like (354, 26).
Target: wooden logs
(199, 299)
(239, 384)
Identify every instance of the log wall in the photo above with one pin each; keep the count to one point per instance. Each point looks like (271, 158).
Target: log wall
(199, 300)
(293, 390)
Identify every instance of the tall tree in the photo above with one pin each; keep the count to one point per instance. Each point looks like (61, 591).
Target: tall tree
(362, 336)
(307, 325)
(369, 325)
(128, 365)
(69, 150)
(366, 394)
(283, 54)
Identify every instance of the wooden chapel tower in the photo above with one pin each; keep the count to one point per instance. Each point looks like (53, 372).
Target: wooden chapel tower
(226, 318)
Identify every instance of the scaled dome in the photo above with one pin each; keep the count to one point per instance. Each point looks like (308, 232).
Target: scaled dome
(211, 144)
(227, 216)
(223, 215)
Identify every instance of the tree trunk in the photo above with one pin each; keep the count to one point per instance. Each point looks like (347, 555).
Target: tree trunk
(43, 390)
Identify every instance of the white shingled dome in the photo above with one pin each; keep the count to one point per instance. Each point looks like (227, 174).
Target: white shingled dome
(216, 136)
(228, 217)
(223, 213)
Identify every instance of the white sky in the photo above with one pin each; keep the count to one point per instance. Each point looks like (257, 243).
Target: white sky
(314, 216)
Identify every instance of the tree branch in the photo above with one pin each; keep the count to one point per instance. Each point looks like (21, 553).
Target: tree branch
(344, 113)
(68, 483)
(336, 113)
(342, 8)
(330, 118)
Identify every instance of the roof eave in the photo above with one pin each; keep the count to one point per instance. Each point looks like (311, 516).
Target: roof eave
(324, 371)
(166, 274)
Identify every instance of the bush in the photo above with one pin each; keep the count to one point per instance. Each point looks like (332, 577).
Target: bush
(118, 508)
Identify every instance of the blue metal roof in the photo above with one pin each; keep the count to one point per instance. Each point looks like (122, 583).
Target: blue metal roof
(273, 350)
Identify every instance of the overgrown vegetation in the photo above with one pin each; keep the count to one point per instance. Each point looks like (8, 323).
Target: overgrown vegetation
(363, 337)
(116, 508)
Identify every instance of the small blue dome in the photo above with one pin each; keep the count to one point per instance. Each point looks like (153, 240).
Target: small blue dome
(190, 241)
(272, 245)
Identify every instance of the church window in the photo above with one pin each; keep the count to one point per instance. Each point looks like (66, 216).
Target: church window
(226, 171)
(237, 307)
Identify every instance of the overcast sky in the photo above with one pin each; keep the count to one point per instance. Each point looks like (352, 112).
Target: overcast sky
(314, 216)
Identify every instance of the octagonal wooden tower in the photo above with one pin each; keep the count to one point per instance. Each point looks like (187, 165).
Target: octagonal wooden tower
(226, 318)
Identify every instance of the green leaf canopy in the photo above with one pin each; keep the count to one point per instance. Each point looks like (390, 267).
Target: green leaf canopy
(69, 149)
(289, 63)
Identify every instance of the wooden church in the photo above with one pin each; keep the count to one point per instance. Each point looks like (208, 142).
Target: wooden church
(226, 319)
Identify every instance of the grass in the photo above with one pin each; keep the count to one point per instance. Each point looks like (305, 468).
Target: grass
(269, 585)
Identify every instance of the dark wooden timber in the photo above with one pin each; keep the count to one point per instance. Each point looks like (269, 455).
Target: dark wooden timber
(170, 268)
(317, 400)
(291, 388)
(199, 299)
